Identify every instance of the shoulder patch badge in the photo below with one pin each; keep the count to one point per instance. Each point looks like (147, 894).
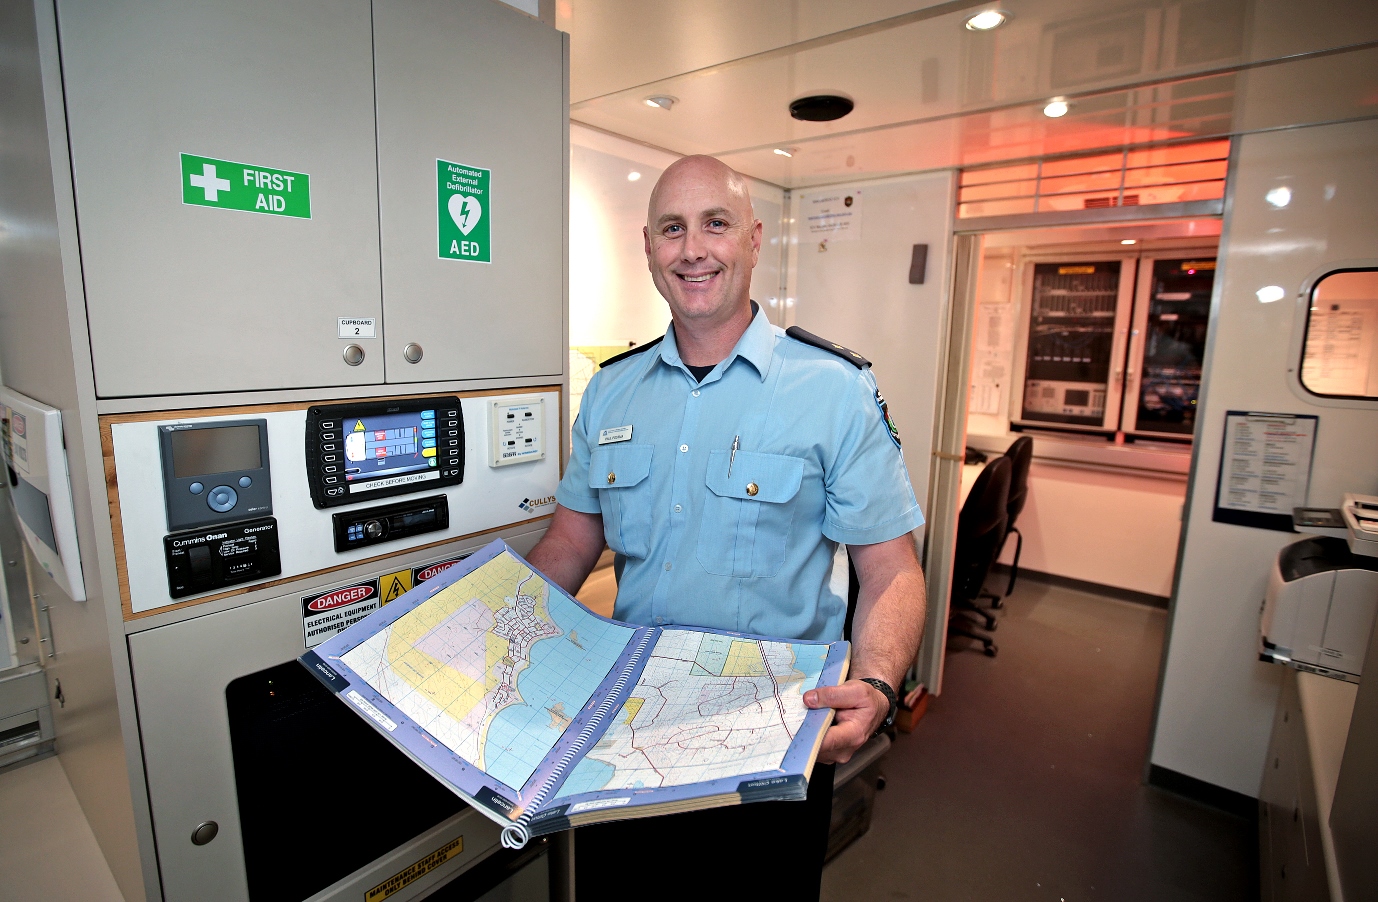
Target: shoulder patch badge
(889, 420)
(831, 347)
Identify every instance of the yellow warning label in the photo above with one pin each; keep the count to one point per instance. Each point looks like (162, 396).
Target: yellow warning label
(359, 426)
(394, 584)
(1198, 264)
(1075, 270)
(402, 879)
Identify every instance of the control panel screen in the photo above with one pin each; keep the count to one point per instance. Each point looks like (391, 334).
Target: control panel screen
(197, 452)
(389, 444)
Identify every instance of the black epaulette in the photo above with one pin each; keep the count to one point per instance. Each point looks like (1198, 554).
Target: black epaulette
(632, 352)
(831, 347)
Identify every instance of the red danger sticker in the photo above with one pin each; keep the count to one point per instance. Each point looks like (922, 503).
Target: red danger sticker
(421, 574)
(337, 597)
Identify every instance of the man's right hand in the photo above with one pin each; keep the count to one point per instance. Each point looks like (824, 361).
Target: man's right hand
(570, 548)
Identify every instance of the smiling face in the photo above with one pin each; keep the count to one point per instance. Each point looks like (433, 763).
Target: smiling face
(702, 241)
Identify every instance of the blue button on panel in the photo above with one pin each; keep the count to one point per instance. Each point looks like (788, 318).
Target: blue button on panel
(245, 482)
(428, 414)
(196, 488)
(428, 433)
(222, 498)
(428, 443)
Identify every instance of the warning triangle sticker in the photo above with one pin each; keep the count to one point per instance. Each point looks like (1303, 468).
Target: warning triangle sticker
(394, 585)
(358, 426)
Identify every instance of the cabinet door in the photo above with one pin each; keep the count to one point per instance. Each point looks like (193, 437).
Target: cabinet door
(476, 283)
(187, 290)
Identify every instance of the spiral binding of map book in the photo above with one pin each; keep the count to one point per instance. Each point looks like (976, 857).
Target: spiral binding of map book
(517, 834)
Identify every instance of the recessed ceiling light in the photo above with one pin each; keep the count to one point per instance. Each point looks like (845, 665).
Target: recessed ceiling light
(1279, 197)
(1270, 293)
(784, 151)
(1129, 241)
(1056, 108)
(987, 19)
(660, 101)
(633, 176)
(821, 107)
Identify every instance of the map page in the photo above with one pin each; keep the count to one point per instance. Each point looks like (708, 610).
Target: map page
(706, 706)
(494, 666)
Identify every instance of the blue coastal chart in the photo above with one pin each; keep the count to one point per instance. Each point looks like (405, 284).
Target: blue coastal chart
(494, 667)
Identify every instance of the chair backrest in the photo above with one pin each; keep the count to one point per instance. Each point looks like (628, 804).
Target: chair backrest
(1020, 455)
(981, 528)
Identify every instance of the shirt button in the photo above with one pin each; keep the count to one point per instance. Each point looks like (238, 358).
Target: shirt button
(678, 508)
(667, 565)
(683, 448)
(696, 392)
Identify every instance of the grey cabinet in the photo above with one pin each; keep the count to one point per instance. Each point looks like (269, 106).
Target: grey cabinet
(184, 297)
(476, 84)
(1291, 860)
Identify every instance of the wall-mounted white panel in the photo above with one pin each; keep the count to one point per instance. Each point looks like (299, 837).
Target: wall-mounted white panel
(1217, 699)
(488, 498)
(857, 293)
(191, 298)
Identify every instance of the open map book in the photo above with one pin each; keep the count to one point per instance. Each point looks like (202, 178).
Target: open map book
(544, 715)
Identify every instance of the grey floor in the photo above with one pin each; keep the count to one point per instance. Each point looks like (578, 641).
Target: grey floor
(1024, 779)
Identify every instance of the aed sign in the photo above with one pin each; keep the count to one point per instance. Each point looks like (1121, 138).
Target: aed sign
(208, 182)
(464, 206)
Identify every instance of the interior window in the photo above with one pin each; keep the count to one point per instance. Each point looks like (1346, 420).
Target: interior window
(1339, 357)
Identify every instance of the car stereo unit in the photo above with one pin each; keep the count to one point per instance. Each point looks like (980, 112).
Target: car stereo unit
(363, 452)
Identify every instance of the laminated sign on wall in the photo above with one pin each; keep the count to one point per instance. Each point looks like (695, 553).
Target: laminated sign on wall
(835, 216)
(1265, 468)
(465, 208)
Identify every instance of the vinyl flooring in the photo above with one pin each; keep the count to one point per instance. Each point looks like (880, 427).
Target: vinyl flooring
(1024, 780)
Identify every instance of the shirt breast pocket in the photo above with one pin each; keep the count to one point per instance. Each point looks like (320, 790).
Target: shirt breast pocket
(747, 517)
(620, 474)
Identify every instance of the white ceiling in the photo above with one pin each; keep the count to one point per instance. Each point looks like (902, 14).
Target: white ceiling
(931, 94)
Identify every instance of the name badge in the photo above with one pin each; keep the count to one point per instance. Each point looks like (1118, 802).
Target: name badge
(615, 434)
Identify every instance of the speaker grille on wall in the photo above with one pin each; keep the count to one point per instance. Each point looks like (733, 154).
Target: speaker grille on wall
(918, 264)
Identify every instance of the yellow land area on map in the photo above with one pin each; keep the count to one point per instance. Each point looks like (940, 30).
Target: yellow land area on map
(632, 706)
(455, 693)
(744, 660)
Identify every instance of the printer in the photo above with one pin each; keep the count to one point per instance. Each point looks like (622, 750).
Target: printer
(1319, 608)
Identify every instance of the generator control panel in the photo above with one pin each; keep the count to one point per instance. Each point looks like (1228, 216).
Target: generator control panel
(215, 472)
(367, 451)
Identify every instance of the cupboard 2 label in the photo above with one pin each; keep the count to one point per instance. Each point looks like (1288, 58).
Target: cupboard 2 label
(208, 182)
(464, 206)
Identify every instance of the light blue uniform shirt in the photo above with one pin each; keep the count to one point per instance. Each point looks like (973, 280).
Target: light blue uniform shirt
(751, 551)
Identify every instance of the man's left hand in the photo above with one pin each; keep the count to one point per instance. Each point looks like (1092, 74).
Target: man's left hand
(860, 709)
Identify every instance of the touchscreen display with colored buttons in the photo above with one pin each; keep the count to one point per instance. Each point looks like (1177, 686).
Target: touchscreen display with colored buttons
(389, 444)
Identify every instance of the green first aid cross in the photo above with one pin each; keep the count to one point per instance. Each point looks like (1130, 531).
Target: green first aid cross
(464, 205)
(207, 182)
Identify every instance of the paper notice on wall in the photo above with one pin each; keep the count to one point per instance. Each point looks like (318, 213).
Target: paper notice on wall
(990, 364)
(1265, 466)
(835, 216)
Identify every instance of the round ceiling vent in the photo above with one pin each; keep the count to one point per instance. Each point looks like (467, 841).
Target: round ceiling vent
(821, 107)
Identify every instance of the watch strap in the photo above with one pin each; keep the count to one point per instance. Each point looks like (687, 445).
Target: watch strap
(890, 696)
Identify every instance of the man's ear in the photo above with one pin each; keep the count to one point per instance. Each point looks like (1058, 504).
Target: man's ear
(757, 230)
(646, 237)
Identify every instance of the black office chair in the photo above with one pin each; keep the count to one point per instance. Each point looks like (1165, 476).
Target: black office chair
(1020, 455)
(980, 532)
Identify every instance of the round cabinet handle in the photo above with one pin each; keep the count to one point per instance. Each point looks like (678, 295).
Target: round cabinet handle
(413, 352)
(353, 355)
(204, 832)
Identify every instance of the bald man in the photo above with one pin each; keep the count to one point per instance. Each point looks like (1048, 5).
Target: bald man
(723, 464)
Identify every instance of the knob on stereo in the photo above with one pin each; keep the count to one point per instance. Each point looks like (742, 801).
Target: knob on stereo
(373, 528)
(353, 355)
(413, 352)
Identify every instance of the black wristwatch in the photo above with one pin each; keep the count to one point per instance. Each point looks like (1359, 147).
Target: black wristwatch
(890, 696)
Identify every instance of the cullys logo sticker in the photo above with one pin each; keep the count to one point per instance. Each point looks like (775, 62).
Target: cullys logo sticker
(889, 420)
(531, 505)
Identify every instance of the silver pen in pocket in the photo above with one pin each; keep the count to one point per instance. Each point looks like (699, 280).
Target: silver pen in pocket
(736, 442)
